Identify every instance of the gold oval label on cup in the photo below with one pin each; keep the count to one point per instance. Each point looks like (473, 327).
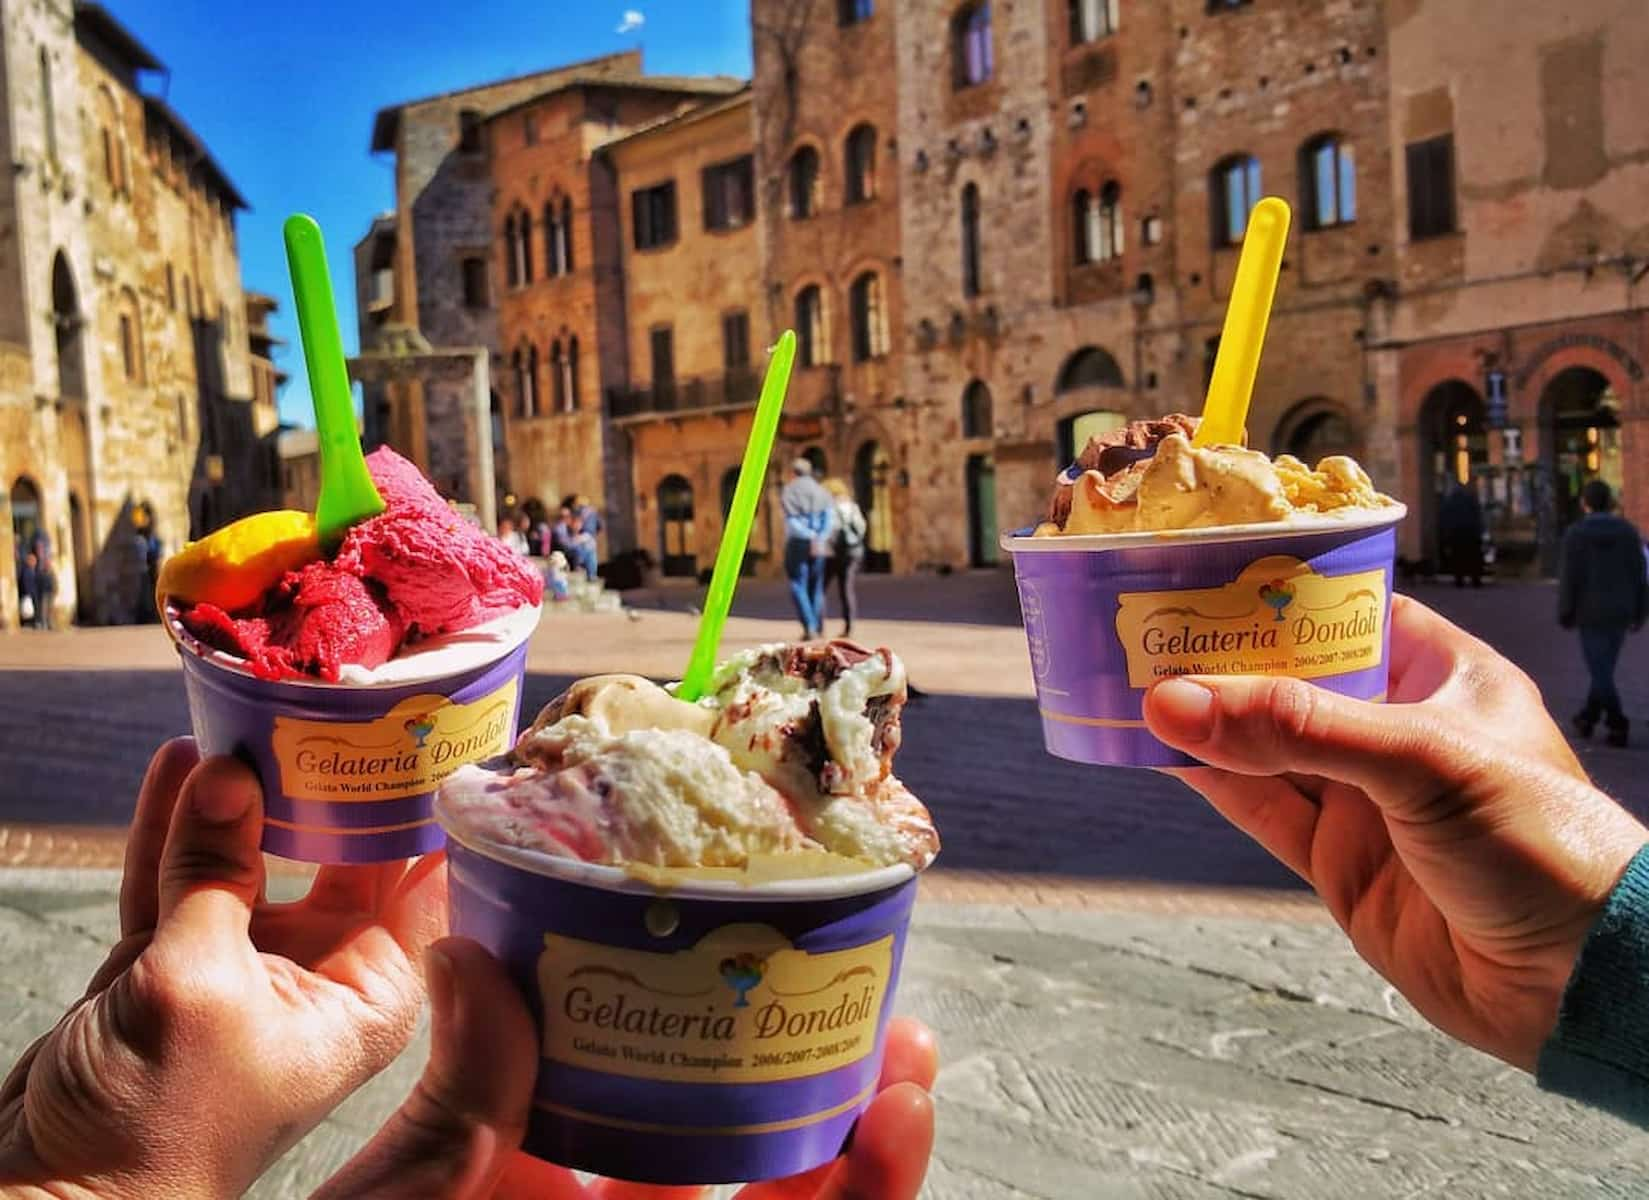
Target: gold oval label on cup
(406, 752)
(741, 1006)
(1279, 617)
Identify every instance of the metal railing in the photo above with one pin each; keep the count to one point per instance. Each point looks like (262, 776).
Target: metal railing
(732, 390)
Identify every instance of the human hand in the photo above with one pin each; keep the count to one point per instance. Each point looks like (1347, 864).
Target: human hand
(221, 1028)
(457, 1135)
(1451, 832)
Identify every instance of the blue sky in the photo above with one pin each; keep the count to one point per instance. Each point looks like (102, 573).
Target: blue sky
(284, 94)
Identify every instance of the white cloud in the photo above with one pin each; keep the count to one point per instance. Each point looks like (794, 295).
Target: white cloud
(632, 21)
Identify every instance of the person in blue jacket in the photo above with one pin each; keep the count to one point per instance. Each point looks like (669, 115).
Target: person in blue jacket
(1603, 592)
(1451, 832)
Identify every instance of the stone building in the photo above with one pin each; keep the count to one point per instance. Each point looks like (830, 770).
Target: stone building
(561, 226)
(1512, 343)
(828, 169)
(697, 327)
(125, 386)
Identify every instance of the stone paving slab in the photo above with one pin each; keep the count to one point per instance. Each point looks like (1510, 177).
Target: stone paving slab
(1087, 1054)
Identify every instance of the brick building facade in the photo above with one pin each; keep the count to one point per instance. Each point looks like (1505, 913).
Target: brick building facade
(1002, 227)
(126, 398)
(697, 328)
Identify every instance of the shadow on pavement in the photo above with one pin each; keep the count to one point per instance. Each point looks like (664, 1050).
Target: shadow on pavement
(78, 751)
(984, 597)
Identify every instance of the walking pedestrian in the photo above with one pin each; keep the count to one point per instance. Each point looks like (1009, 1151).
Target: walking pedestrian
(847, 552)
(809, 522)
(1604, 592)
(45, 578)
(1460, 534)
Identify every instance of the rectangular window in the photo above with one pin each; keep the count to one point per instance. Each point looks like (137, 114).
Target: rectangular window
(730, 194)
(654, 213)
(171, 288)
(1092, 20)
(735, 340)
(475, 282)
(529, 129)
(1217, 6)
(662, 342)
(469, 131)
(853, 12)
(1431, 187)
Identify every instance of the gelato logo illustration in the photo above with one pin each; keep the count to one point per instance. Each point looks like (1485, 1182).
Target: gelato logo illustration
(742, 972)
(1277, 595)
(742, 1006)
(405, 752)
(1278, 617)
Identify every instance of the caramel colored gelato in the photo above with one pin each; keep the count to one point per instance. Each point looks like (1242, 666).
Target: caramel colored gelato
(1148, 476)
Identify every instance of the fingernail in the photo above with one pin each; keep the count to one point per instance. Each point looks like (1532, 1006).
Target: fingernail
(438, 971)
(220, 794)
(1184, 709)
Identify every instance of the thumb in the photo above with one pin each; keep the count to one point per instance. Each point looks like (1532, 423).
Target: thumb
(467, 1114)
(211, 870)
(1397, 753)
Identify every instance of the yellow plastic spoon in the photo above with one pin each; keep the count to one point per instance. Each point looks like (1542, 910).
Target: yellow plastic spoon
(1225, 412)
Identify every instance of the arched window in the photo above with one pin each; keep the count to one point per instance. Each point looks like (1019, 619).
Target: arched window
(572, 374)
(512, 264)
(869, 320)
(972, 55)
(1089, 367)
(567, 234)
(1328, 181)
(558, 381)
(71, 366)
(804, 183)
(1096, 224)
(552, 240)
(1092, 20)
(972, 284)
(976, 410)
(131, 336)
(525, 361)
(811, 349)
(859, 160)
(114, 141)
(1234, 190)
(523, 233)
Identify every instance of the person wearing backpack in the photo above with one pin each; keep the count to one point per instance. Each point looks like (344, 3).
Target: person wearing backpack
(847, 551)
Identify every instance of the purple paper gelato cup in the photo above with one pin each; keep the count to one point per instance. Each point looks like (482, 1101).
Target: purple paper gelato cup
(349, 770)
(705, 1032)
(1107, 616)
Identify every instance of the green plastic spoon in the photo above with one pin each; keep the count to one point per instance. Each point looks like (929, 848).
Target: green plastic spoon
(347, 493)
(736, 536)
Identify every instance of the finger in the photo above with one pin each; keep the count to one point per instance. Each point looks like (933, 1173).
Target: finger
(912, 1054)
(886, 1160)
(212, 869)
(617, 1189)
(1272, 811)
(354, 889)
(527, 1178)
(140, 880)
(1425, 649)
(1398, 754)
(465, 1117)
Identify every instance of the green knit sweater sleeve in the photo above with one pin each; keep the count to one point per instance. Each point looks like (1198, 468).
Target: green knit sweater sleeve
(1599, 1052)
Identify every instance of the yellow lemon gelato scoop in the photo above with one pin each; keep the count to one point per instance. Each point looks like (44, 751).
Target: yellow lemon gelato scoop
(236, 565)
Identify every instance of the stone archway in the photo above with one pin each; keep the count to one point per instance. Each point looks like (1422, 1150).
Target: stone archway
(1453, 449)
(1579, 441)
(68, 323)
(465, 410)
(1316, 428)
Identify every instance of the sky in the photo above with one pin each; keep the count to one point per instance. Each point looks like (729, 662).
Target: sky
(284, 95)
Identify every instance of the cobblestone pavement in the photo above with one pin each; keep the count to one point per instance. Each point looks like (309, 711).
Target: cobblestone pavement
(1134, 1001)
(1094, 1055)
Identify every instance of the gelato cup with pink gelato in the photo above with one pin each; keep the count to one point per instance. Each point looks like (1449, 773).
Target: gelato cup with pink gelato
(705, 905)
(356, 682)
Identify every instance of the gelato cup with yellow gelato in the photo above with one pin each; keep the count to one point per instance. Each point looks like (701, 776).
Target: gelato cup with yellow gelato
(1159, 557)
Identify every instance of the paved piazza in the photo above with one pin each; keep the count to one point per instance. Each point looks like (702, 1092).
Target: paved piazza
(1134, 1002)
